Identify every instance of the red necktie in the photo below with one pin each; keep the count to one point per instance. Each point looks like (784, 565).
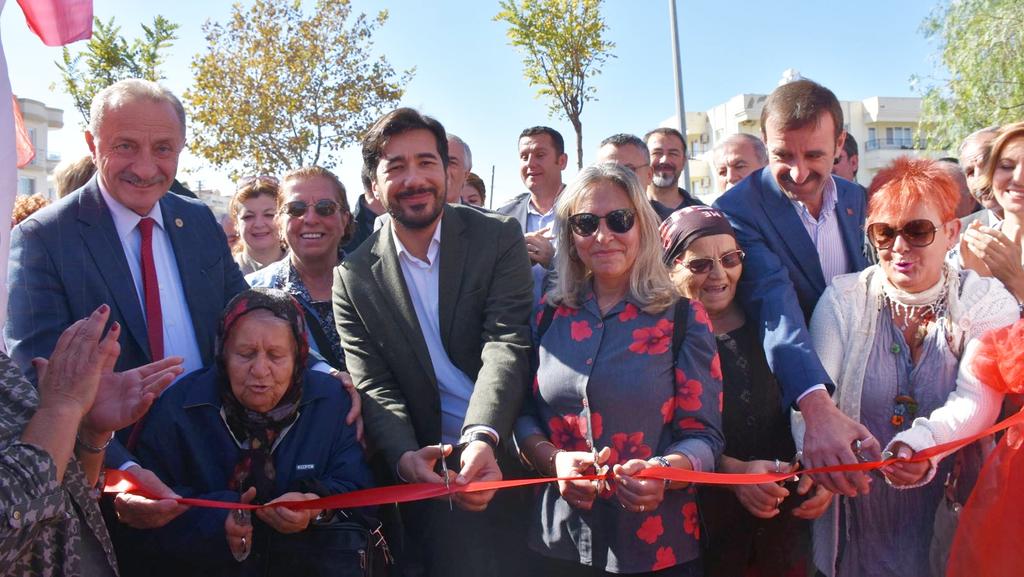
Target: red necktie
(151, 291)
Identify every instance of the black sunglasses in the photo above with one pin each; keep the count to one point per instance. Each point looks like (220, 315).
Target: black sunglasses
(618, 221)
(298, 208)
(705, 264)
(920, 232)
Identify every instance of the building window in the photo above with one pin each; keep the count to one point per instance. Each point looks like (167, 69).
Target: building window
(899, 137)
(26, 185)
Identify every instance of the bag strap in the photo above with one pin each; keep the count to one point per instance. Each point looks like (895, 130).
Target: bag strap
(681, 316)
(320, 338)
(545, 320)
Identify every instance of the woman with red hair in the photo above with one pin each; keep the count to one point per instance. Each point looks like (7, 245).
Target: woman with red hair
(891, 337)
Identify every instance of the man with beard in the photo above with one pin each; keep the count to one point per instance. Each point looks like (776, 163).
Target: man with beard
(799, 228)
(668, 159)
(973, 154)
(433, 312)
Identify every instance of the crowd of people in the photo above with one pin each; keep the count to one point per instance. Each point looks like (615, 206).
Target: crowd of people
(301, 348)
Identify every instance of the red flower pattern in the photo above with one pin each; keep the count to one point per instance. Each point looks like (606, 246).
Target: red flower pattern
(569, 432)
(716, 367)
(564, 311)
(667, 408)
(700, 313)
(652, 340)
(650, 530)
(596, 424)
(581, 331)
(688, 395)
(721, 401)
(690, 424)
(629, 313)
(628, 446)
(536, 386)
(691, 520)
(664, 558)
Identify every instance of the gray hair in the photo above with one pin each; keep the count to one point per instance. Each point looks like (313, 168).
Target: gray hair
(469, 153)
(759, 148)
(622, 139)
(126, 91)
(649, 283)
(988, 131)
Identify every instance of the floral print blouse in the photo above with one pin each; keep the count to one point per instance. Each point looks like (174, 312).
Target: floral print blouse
(609, 381)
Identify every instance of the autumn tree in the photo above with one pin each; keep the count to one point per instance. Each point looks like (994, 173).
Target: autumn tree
(108, 57)
(980, 74)
(278, 89)
(563, 49)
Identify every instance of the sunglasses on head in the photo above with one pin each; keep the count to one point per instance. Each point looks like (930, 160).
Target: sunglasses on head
(619, 221)
(920, 232)
(705, 264)
(298, 208)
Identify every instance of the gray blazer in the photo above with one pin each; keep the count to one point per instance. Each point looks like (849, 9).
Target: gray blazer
(485, 304)
(518, 208)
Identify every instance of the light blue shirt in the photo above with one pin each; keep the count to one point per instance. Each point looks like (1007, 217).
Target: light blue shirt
(455, 387)
(179, 334)
(824, 232)
(536, 221)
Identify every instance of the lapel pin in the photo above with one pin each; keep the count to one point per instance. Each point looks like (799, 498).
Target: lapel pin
(849, 212)
(180, 223)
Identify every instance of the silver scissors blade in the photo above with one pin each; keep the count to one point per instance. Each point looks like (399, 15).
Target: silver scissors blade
(444, 473)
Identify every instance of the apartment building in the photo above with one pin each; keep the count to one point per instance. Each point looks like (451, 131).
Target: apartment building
(39, 120)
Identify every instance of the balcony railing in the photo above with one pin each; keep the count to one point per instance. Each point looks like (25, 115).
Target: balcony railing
(895, 144)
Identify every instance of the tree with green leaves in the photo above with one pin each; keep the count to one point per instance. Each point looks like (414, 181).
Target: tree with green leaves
(980, 81)
(278, 89)
(563, 49)
(108, 58)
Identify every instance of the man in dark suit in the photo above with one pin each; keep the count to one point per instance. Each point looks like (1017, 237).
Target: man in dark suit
(122, 240)
(433, 315)
(799, 227)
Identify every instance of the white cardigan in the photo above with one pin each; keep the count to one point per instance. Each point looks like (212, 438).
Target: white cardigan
(843, 331)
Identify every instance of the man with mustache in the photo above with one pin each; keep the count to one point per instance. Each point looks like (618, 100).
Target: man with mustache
(800, 227)
(433, 312)
(668, 159)
(160, 261)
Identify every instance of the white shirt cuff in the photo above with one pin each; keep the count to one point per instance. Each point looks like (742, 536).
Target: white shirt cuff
(809, 391)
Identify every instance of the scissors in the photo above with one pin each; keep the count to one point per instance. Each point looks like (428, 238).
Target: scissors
(244, 518)
(886, 455)
(444, 473)
(603, 485)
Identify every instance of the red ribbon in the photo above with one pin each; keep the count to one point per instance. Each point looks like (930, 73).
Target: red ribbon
(125, 482)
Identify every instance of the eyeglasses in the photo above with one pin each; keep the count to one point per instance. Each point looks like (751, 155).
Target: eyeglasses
(619, 221)
(705, 264)
(298, 208)
(920, 232)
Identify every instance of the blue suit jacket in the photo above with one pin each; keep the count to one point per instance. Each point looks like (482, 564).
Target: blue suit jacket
(782, 278)
(66, 260)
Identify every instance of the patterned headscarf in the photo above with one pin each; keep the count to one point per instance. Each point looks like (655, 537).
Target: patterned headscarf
(255, 467)
(688, 224)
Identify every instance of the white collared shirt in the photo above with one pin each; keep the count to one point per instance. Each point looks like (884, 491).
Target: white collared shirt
(423, 279)
(536, 221)
(825, 233)
(179, 334)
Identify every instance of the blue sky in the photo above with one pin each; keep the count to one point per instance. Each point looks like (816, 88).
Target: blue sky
(471, 79)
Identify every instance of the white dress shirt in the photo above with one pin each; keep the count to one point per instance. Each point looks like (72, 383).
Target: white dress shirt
(179, 334)
(422, 278)
(824, 232)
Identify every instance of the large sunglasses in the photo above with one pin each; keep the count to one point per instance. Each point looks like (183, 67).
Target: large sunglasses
(705, 264)
(920, 232)
(618, 221)
(298, 208)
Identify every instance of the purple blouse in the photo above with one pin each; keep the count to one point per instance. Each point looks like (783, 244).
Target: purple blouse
(610, 381)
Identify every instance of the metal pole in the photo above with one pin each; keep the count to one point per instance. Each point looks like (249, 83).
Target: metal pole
(490, 197)
(680, 107)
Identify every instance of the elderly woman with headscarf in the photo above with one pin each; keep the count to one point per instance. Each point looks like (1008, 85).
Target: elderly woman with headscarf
(628, 378)
(891, 337)
(256, 427)
(749, 527)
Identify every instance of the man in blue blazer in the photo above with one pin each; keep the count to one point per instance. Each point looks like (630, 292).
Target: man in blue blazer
(85, 250)
(799, 227)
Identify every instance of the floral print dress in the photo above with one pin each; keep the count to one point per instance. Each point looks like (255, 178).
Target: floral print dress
(609, 381)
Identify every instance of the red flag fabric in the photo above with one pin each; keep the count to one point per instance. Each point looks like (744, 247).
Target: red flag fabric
(26, 152)
(58, 22)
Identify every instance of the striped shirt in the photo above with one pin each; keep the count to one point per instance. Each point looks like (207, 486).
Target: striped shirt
(824, 232)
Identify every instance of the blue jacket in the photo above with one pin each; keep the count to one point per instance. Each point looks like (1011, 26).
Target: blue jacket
(187, 444)
(782, 278)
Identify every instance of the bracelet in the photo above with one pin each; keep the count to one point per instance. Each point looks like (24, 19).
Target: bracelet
(662, 461)
(91, 449)
(551, 460)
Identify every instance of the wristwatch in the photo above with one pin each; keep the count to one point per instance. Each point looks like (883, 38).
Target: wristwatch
(470, 436)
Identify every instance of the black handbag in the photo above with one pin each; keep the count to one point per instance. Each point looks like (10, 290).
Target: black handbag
(349, 544)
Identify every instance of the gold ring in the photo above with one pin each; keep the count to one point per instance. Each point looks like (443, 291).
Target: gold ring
(642, 508)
